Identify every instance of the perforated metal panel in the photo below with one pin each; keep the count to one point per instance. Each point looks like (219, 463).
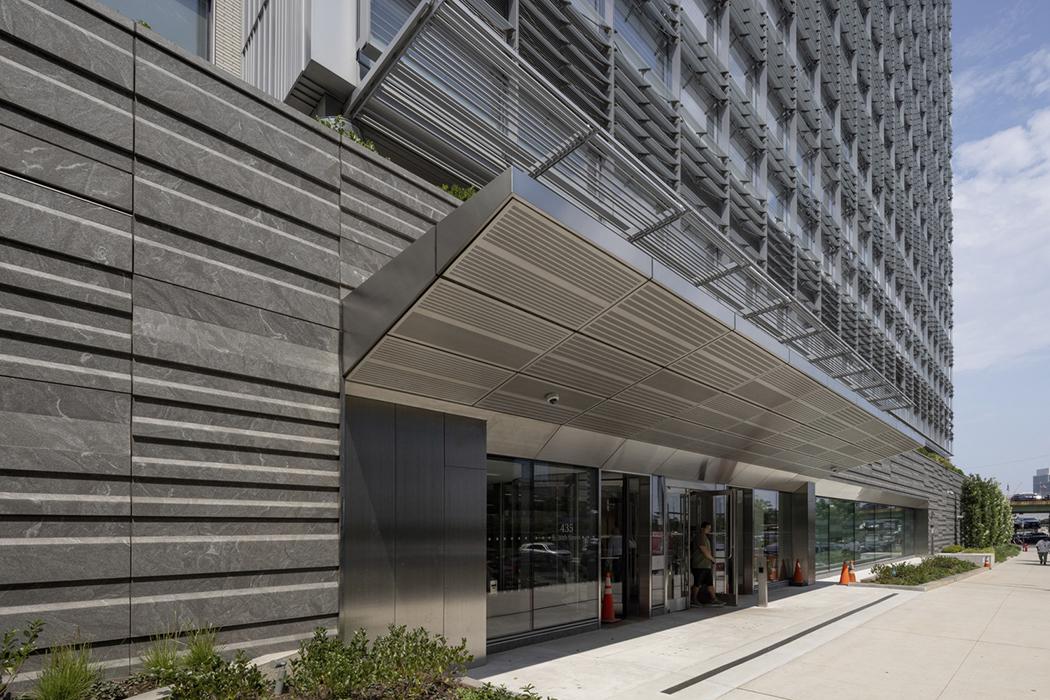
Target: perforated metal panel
(532, 320)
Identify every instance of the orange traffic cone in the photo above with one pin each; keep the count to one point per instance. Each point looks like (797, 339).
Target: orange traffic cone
(852, 572)
(844, 576)
(608, 611)
(798, 579)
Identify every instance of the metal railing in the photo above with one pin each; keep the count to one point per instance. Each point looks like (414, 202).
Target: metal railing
(451, 88)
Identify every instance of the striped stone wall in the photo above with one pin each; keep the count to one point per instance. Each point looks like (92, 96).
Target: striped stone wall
(923, 478)
(173, 249)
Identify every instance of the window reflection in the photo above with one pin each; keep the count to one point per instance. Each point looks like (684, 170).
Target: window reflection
(862, 532)
(542, 546)
(185, 22)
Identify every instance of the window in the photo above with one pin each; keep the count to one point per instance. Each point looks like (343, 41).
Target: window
(649, 44)
(772, 518)
(542, 544)
(863, 532)
(185, 22)
(741, 69)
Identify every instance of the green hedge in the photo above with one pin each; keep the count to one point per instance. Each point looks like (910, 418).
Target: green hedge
(986, 517)
(1002, 552)
(929, 569)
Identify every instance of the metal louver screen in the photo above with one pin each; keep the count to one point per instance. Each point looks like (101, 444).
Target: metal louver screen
(450, 88)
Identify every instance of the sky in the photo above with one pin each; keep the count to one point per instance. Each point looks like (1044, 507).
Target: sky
(1001, 212)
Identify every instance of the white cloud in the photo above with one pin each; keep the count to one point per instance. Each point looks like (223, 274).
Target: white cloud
(1001, 210)
(1027, 77)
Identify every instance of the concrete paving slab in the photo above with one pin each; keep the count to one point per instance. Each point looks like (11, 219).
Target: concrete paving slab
(955, 641)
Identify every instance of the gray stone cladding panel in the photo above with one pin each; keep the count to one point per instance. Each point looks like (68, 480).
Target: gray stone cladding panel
(920, 477)
(169, 335)
(52, 221)
(384, 209)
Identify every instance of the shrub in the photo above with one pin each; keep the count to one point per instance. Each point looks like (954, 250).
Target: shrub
(497, 692)
(326, 668)
(1006, 551)
(15, 648)
(161, 659)
(68, 675)
(986, 517)
(929, 569)
(1002, 552)
(402, 664)
(460, 192)
(201, 649)
(218, 679)
(341, 126)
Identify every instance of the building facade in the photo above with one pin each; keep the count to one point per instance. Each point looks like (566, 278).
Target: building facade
(1041, 482)
(261, 377)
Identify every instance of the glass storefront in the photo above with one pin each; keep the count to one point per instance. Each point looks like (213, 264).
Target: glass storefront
(542, 546)
(862, 532)
(772, 522)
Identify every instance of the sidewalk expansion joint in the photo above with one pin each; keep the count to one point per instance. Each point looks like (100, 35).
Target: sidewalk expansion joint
(772, 647)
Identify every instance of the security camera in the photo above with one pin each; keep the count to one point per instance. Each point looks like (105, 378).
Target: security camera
(552, 399)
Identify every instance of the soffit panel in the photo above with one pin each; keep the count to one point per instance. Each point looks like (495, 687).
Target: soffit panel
(527, 308)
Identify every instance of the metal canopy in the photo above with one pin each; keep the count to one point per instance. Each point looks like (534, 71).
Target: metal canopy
(518, 295)
(450, 89)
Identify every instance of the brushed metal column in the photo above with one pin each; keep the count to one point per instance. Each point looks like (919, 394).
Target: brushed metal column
(419, 487)
(804, 530)
(368, 532)
(465, 599)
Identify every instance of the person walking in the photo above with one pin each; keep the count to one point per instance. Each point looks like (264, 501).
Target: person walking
(1042, 547)
(702, 561)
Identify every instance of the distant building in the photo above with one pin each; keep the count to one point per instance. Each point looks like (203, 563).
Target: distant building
(1041, 482)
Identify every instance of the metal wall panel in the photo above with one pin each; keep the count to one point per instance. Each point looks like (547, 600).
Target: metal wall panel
(413, 536)
(464, 560)
(420, 507)
(804, 530)
(369, 527)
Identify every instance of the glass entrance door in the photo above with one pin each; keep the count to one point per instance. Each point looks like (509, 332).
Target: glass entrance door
(722, 510)
(688, 509)
(678, 579)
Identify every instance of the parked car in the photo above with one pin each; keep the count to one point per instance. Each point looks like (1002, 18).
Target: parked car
(1030, 537)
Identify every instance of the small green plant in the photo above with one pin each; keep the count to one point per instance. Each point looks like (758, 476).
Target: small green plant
(218, 679)
(201, 648)
(161, 659)
(68, 675)
(107, 690)
(15, 648)
(341, 125)
(1002, 552)
(498, 692)
(143, 23)
(461, 192)
(929, 569)
(401, 664)
(930, 454)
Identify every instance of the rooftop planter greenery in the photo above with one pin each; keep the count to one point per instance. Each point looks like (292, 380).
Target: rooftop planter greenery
(931, 455)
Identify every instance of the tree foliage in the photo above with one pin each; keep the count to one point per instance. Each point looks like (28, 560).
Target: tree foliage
(986, 517)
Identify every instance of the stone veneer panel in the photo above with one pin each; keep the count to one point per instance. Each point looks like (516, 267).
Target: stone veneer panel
(174, 246)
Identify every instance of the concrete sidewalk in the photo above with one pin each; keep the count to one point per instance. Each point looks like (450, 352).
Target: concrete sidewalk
(983, 637)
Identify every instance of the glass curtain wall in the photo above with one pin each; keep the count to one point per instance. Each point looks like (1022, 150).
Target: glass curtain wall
(862, 532)
(772, 522)
(542, 546)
